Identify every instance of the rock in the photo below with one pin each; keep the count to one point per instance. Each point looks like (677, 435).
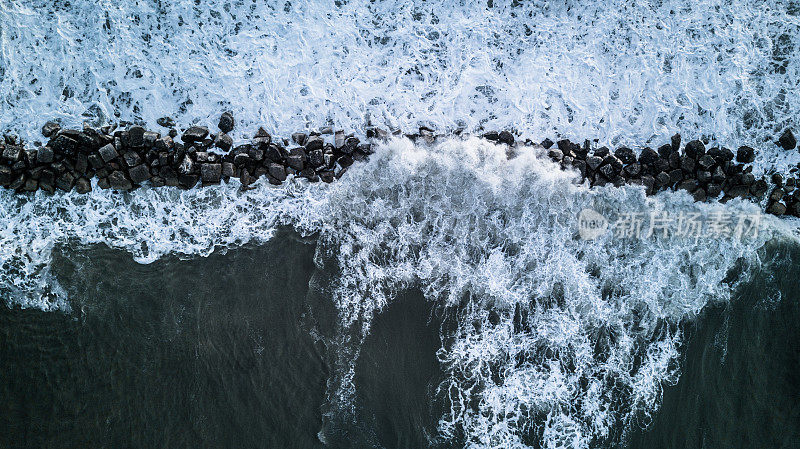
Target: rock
(713, 190)
(30, 185)
(648, 157)
(316, 159)
(703, 176)
(187, 166)
(777, 179)
(228, 170)
(314, 143)
(748, 179)
(132, 158)
(593, 162)
(626, 155)
(63, 144)
(326, 130)
(737, 190)
(555, 154)
(491, 135)
(663, 179)
(6, 176)
(602, 152)
(226, 122)
(50, 128)
(720, 154)
(706, 162)
(211, 173)
(65, 181)
(223, 141)
(277, 171)
(547, 143)
(699, 195)
(614, 162)
(695, 149)
(745, 155)
(241, 159)
(777, 194)
(139, 174)
(163, 144)
(12, 153)
(135, 137)
(150, 138)
(633, 170)
(676, 143)
(506, 138)
(299, 138)
(82, 186)
(295, 161)
(195, 134)
(690, 185)
(675, 176)
(44, 155)
(118, 181)
(759, 188)
(108, 153)
(776, 208)
(665, 150)
(166, 122)
(787, 140)
(326, 176)
(95, 160)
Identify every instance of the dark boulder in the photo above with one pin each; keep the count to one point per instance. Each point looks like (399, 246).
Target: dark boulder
(195, 134)
(299, 138)
(506, 138)
(787, 140)
(163, 144)
(132, 158)
(6, 176)
(555, 154)
(547, 143)
(211, 173)
(295, 161)
(745, 155)
(648, 157)
(44, 155)
(776, 208)
(82, 185)
(314, 143)
(695, 149)
(593, 162)
(118, 181)
(226, 122)
(491, 135)
(676, 142)
(759, 188)
(277, 171)
(139, 174)
(65, 181)
(166, 122)
(50, 128)
(108, 153)
(135, 137)
(223, 141)
(706, 162)
(626, 155)
(713, 190)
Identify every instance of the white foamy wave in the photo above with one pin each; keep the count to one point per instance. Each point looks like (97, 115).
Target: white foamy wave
(148, 223)
(560, 339)
(623, 72)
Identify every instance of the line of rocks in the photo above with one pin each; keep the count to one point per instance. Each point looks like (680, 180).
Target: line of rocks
(124, 158)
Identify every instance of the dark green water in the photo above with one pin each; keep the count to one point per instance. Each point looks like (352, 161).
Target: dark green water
(233, 350)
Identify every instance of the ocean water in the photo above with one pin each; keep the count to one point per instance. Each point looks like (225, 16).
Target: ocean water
(435, 296)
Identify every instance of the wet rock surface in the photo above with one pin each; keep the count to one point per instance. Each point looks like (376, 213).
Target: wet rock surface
(123, 158)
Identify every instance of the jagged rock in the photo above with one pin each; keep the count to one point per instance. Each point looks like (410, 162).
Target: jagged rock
(547, 143)
(327, 130)
(166, 122)
(44, 155)
(132, 158)
(82, 185)
(713, 190)
(706, 162)
(699, 195)
(228, 170)
(164, 143)
(787, 140)
(226, 122)
(675, 176)
(6, 176)
(108, 153)
(139, 174)
(491, 135)
(118, 181)
(187, 181)
(663, 179)
(149, 138)
(626, 155)
(602, 152)
(50, 128)
(299, 138)
(745, 155)
(555, 154)
(676, 142)
(506, 138)
(648, 157)
(30, 185)
(12, 153)
(187, 166)
(593, 162)
(776, 208)
(633, 169)
(223, 141)
(211, 173)
(759, 188)
(316, 159)
(703, 176)
(687, 164)
(695, 149)
(195, 134)
(65, 181)
(314, 143)
(135, 137)
(277, 171)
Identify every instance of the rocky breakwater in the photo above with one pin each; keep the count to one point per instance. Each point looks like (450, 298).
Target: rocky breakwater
(125, 158)
(715, 173)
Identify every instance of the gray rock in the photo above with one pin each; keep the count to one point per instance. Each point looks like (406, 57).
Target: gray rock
(139, 173)
(44, 155)
(277, 171)
(164, 144)
(187, 166)
(211, 173)
(118, 181)
(223, 141)
(555, 154)
(12, 153)
(108, 153)
(166, 122)
(776, 208)
(65, 181)
(295, 161)
(50, 128)
(226, 122)
(228, 170)
(82, 185)
(136, 136)
(299, 138)
(150, 138)
(745, 155)
(695, 149)
(506, 138)
(195, 134)
(132, 158)
(626, 155)
(706, 162)
(787, 140)
(314, 143)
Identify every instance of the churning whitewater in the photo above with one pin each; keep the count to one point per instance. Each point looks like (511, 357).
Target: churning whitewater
(561, 341)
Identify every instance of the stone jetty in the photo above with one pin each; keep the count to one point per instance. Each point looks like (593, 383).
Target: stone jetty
(126, 157)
